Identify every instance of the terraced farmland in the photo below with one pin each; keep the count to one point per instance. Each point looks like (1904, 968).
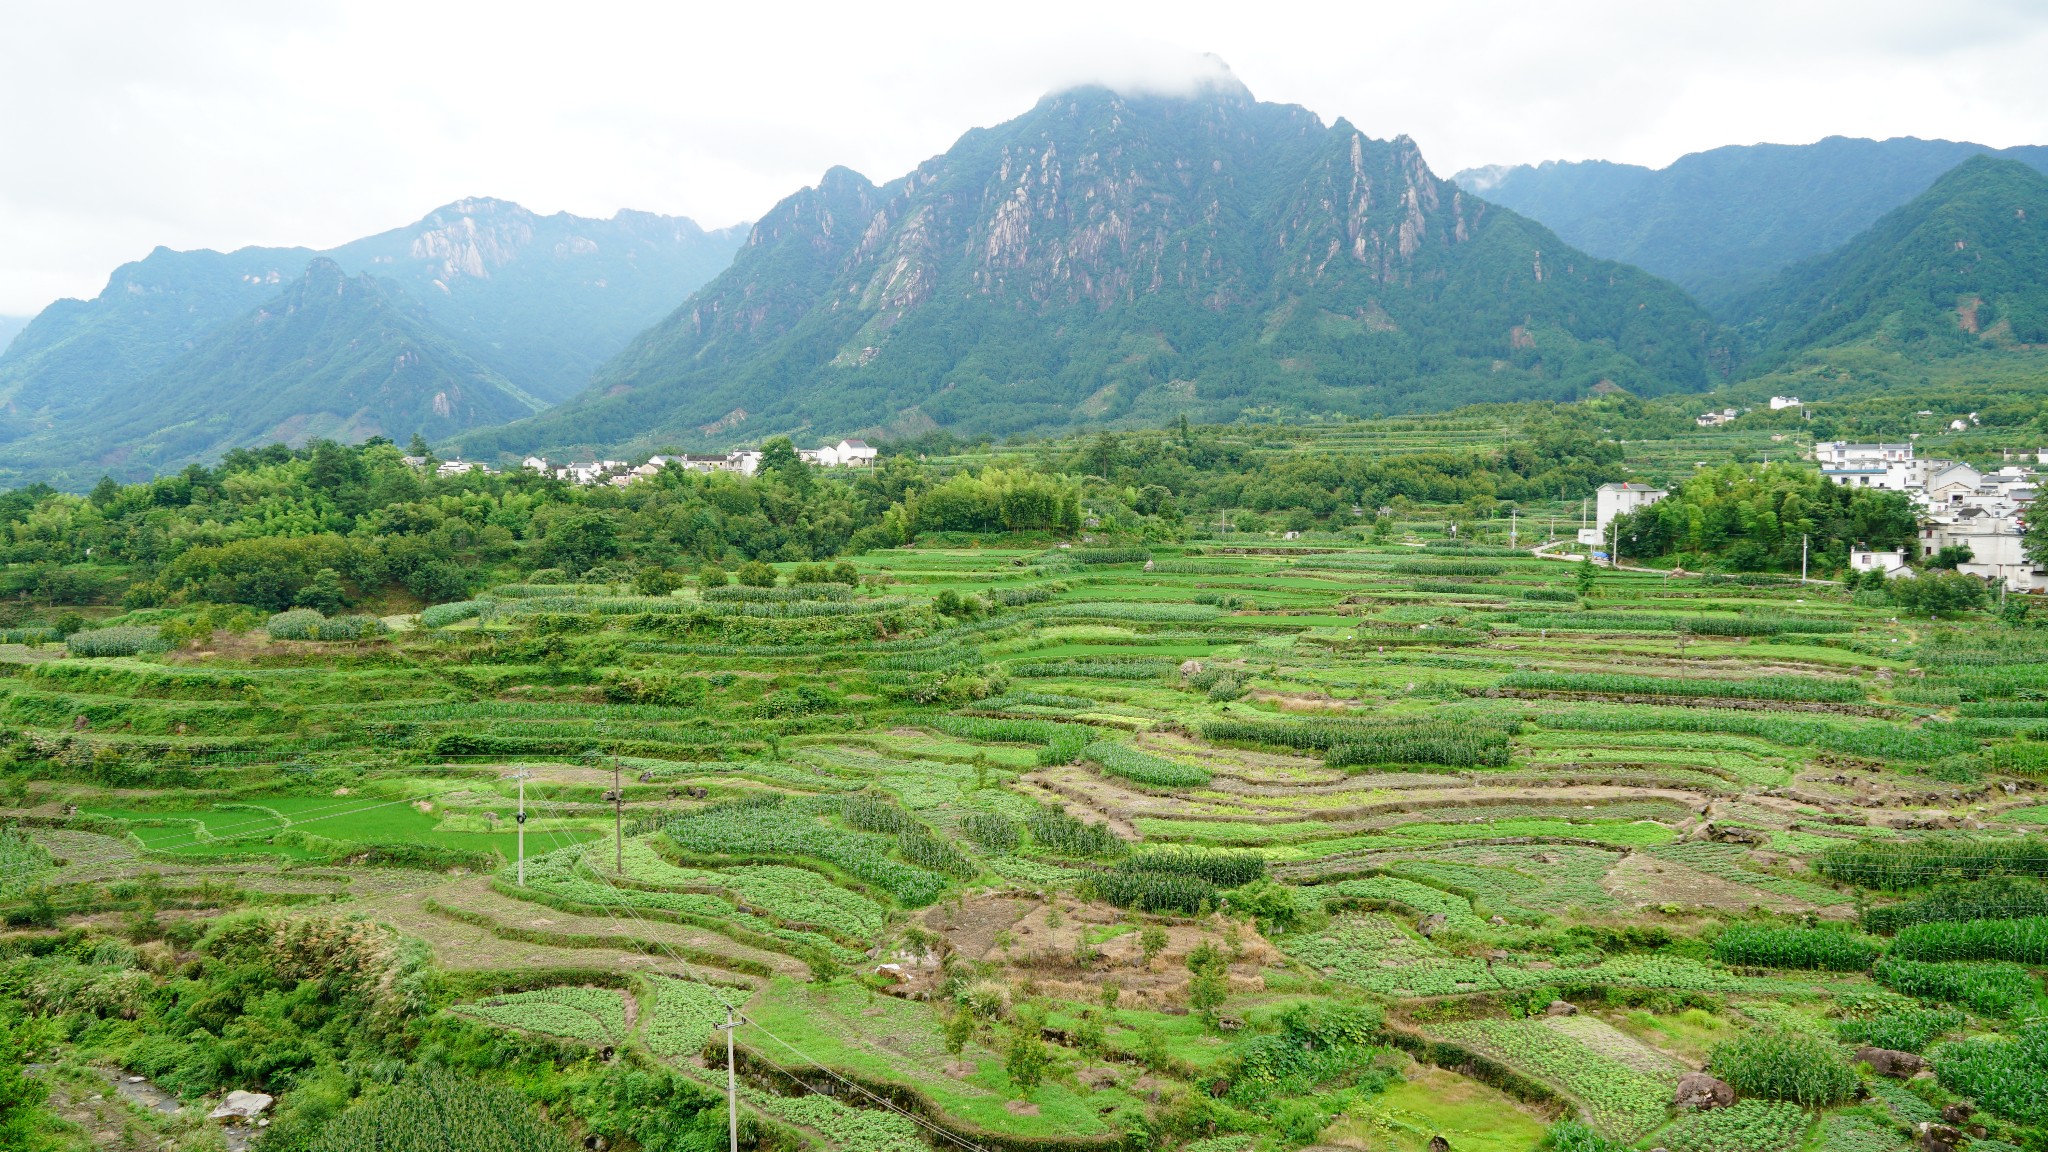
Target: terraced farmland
(1022, 847)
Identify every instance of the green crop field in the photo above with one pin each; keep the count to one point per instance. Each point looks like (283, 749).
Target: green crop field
(1172, 839)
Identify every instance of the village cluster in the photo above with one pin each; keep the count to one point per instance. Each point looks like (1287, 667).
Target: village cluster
(1961, 506)
(619, 473)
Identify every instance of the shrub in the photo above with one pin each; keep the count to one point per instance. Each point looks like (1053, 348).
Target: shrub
(755, 574)
(1790, 1066)
(1826, 949)
(124, 640)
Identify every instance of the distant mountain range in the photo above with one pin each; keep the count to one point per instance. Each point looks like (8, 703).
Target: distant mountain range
(1721, 223)
(1961, 267)
(1105, 259)
(1110, 258)
(488, 312)
(9, 325)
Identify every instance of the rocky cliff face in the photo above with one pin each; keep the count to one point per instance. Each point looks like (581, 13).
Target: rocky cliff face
(1113, 257)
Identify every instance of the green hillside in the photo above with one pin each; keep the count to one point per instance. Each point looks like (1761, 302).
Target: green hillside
(80, 359)
(1964, 266)
(536, 301)
(333, 356)
(1723, 222)
(1107, 259)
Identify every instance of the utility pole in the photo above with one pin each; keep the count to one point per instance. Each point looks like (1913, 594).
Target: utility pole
(732, 1091)
(1802, 558)
(520, 822)
(1514, 522)
(618, 820)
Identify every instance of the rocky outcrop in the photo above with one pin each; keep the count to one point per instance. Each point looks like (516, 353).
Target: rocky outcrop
(1891, 1062)
(1699, 1092)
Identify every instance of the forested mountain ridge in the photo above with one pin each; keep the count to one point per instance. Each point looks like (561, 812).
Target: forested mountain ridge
(1122, 259)
(527, 302)
(1962, 266)
(330, 356)
(543, 300)
(9, 325)
(1722, 222)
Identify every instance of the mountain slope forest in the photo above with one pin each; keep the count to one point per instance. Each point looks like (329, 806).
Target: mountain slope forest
(1119, 259)
(1721, 223)
(532, 302)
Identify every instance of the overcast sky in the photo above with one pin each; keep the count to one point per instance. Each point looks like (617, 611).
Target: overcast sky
(128, 125)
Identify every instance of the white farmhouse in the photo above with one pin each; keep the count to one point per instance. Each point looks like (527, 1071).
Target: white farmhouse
(1888, 466)
(1780, 403)
(1614, 500)
(1891, 562)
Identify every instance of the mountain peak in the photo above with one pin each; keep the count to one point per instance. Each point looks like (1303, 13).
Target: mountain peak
(1109, 257)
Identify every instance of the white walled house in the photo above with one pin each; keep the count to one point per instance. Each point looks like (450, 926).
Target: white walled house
(1780, 403)
(1891, 562)
(1888, 466)
(1614, 500)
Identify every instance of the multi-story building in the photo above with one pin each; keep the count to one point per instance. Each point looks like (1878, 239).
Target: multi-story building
(1613, 500)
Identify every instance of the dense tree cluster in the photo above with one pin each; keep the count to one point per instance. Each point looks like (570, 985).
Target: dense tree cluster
(1753, 518)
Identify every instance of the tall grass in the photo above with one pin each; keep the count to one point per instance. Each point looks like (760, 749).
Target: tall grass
(1897, 865)
(1349, 741)
(1792, 688)
(1820, 948)
(1142, 768)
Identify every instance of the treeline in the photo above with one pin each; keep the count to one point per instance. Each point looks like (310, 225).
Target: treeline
(1753, 518)
(1180, 472)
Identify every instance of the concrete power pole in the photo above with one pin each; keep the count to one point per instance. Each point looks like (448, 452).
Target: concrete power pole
(732, 1092)
(1802, 557)
(618, 820)
(520, 822)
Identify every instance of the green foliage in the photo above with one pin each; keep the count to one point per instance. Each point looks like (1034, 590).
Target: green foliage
(1747, 1126)
(1753, 518)
(121, 640)
(1577, 1136)
(1938, 593)
(2023, 940)
(436, 1111)
(1995, 898)
(306, 624)
(1755, 688)
(776, 829)
(1153, 891)
(1054, 830)
(2008, 1077)
(993, 832)
(1128, 763)
(1788, 1066)
(1896, 865)
(1026, 1059)
(1347, 742)
(1900, 1027)
(1765, 947)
